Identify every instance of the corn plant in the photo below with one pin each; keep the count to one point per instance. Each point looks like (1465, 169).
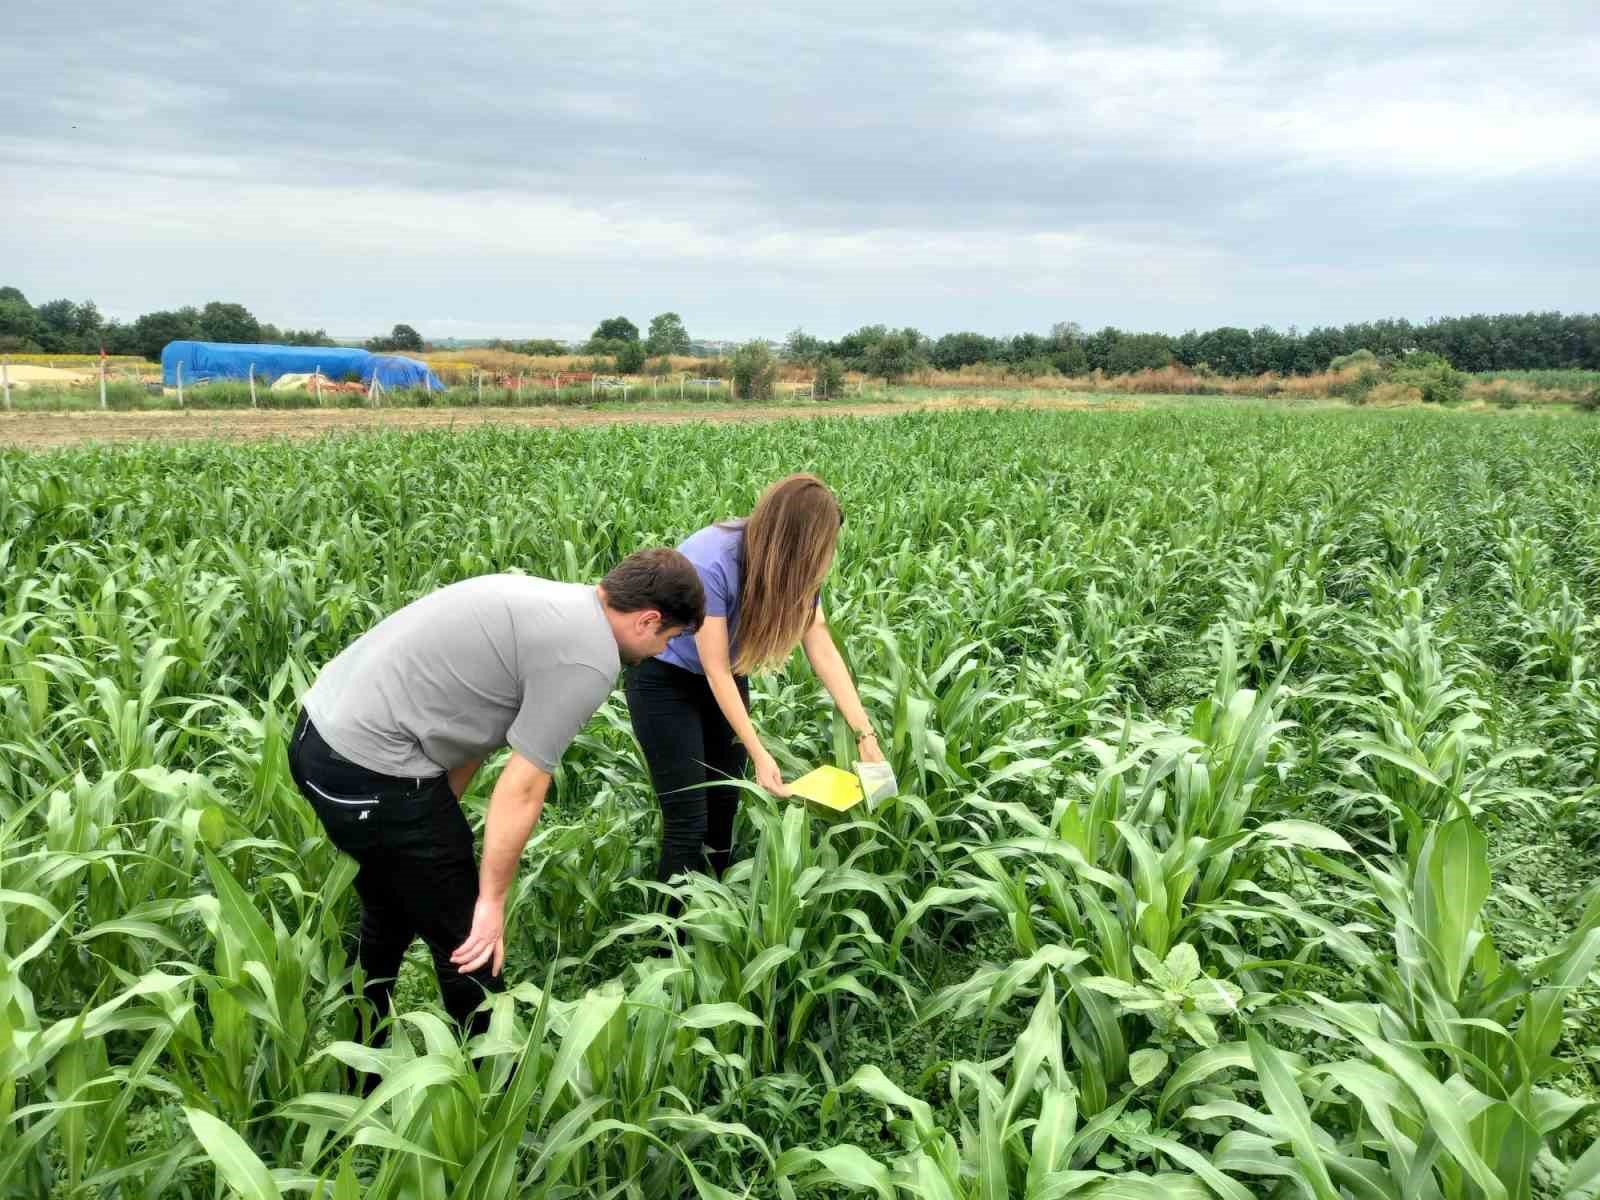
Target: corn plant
(1248, 803)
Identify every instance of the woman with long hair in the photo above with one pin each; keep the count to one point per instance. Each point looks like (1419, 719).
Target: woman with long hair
(690, 705)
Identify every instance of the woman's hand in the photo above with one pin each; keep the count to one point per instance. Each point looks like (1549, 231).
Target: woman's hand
(867, 748)
(768, 775)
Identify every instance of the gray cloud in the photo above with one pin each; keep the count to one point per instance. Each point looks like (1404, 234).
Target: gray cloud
(527, 169)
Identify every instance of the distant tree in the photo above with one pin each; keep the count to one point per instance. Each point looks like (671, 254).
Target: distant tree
(19, 322)
(956, 350)
(1129, 352)
(615, 329)
(86, 320)
(853, 347)
(1228, 350)
(667, 335)
(57, 327)
(222, 322)
(152, 331)
(801, 347)
(1074, 360)
(541, 347)
(755, 370)
(401, 337)
(117, 338)
(1433, 376)
(828, 382)
(893, 356)
(1064, 334)
(630, 358)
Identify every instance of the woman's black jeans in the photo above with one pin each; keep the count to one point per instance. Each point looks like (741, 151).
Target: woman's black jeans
(688, 745)
(417, 875)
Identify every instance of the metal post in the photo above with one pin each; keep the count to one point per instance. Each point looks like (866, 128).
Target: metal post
(680, 387)
(102, 383)
(591, 388)
(624, 391)
(316, 382)
(5, 377)
(708, 391)
(480, 389)
(519, 387)
(253, 385)
(180, 384)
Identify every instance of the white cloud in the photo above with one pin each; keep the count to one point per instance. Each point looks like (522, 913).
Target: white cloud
(1418, 113)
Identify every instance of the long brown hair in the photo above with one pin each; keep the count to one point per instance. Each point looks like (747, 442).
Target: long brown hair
(788, 546)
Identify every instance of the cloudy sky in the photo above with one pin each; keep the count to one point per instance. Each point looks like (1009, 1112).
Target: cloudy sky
(526, 169)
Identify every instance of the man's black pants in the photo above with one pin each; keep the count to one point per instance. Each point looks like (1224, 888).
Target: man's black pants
(686, 742)
(417, 875)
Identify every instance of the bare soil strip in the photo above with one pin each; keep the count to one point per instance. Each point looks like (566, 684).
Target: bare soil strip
(46, 430)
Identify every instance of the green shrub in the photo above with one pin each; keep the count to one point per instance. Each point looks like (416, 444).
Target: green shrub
(1432, 376)
(1356, 358)
(1032, 368)
(630, 358)
(1505, 396)
(1358, 389)
(755, 370)
(1590, 400)
(828, 382)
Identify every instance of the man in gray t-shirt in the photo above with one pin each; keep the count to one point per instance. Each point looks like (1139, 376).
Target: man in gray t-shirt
(394, 727)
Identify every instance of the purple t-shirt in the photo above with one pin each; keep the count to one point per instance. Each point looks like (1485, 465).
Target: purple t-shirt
(715, 552)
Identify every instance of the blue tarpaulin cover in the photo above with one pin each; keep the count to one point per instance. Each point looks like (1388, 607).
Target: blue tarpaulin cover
(224, 360)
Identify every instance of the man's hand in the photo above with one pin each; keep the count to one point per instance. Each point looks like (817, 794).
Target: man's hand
(486, 940)
(514, 808)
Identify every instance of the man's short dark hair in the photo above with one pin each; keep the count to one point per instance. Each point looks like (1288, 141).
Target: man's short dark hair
(662, 579)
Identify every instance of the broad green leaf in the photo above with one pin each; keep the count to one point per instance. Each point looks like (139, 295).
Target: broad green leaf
(1145, 1066)
(237, 1164)
(1282, 1094)
(845, 1165)
(710, 1016)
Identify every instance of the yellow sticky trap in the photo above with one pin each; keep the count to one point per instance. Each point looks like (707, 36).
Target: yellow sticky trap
(830, 788)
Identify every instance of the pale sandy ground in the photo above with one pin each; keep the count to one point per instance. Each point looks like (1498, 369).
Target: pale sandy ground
(23, 374)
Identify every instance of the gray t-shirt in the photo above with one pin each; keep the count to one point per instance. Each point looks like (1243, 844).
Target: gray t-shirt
(499, 660)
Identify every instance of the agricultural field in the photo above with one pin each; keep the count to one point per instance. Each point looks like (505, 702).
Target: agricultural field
(1247, 846)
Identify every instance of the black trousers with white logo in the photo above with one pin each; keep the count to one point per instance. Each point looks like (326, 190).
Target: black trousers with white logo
(417, 874)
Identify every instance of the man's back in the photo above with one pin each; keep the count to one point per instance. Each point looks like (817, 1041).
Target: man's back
(457, 674)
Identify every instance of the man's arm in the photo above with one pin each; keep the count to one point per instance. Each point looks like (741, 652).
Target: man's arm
(514, 808)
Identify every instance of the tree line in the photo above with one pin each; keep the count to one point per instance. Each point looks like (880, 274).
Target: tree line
(77, 327)
(1480, 342)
